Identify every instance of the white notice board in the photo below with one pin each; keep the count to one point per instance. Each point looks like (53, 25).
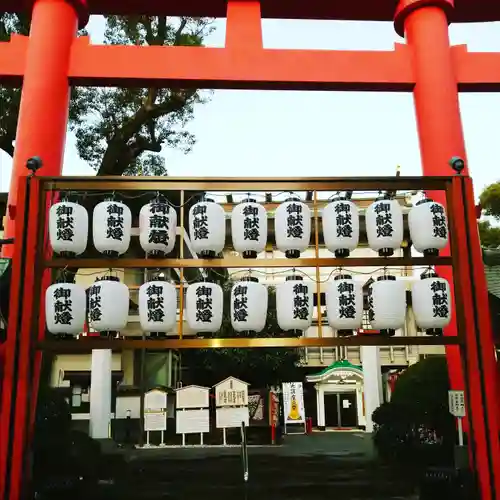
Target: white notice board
(231, 392)
(231, 417)
(192, 396)
(155, 400)
(192, 421)
(155, 421)
(456, 403)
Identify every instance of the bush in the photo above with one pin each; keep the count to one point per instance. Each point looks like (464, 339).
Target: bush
(416, 425)
(63, 460)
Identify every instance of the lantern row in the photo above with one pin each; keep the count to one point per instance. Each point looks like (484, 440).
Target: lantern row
(112, 227)
(107, 305)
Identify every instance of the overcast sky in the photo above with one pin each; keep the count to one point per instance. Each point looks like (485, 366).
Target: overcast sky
(319, 133)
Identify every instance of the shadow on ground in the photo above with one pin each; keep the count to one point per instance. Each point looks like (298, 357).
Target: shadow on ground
(313, 467)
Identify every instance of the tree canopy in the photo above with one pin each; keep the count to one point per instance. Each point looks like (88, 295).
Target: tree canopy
(490, 234)
(122, 130)
(490, 200)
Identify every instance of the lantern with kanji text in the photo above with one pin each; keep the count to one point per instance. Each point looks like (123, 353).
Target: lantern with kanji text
(341, 226)
(207, 228)
(112, 228)
(65, 308)
(249, 228)
(157, 307)
(431, 302)
(108, 305)
(344, 304)
(428, 227)
(249, 301)
(157, 227)
(68, 228)
(294, 304)
(292, 226)
(384, 225)
(204, 307)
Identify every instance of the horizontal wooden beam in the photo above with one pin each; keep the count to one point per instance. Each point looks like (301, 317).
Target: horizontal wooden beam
(236, 263)
(245, 184)
(361, 10)
(476, 71)
(258, 68)
(88, 344)
(12, 60)
(225, 68)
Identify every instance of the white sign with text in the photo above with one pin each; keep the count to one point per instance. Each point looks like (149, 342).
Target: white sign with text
(293, 403)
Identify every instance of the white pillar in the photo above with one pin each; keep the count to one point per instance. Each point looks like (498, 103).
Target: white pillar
(100, 393)
(360, 405)
(320, 405)
(372, 381)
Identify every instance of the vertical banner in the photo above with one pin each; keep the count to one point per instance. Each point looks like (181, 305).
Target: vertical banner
(293, 403)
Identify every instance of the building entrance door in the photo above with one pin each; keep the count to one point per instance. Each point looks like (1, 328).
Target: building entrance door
(332, 415)
(348, 409)
(341, 409)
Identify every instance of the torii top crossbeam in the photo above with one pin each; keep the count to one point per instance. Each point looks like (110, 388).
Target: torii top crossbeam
(348, 10)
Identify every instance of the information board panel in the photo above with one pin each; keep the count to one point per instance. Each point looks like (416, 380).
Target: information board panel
(226, 418)
(231, 392)
(192, 421)
(192, 396)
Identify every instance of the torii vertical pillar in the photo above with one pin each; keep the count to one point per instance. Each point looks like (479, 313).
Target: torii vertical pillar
(425, 24)
(43, 114)
(437, 110)
(41, 132)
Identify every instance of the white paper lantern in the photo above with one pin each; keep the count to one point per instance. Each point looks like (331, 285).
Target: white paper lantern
(387, 304)
(428, 226)
(112, 227)
(249, 228)
(157, 307)
(68, 228)
(207, 228)
(204, 307)
(431, 302)
(157, 227)
(341, 227)
(384, 226)
(108, 302)
(292, 226)
(65, 308)
(294, 304)
(249, 301)
(344, 304)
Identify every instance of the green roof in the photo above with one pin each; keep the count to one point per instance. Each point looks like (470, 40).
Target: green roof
(493, 280)
(338, 364)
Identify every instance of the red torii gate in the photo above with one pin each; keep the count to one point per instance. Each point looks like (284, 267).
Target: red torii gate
(52, 59)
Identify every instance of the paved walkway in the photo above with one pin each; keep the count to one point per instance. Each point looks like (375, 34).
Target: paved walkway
(342, 445)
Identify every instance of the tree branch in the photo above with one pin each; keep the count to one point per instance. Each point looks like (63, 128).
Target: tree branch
(178, 33)
(6, 144)
(111, 164)
(150, 38)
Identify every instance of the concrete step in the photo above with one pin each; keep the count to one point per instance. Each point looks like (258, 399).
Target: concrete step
(311, 491)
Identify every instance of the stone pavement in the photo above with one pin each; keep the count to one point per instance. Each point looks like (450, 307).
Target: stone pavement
(333, 445)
